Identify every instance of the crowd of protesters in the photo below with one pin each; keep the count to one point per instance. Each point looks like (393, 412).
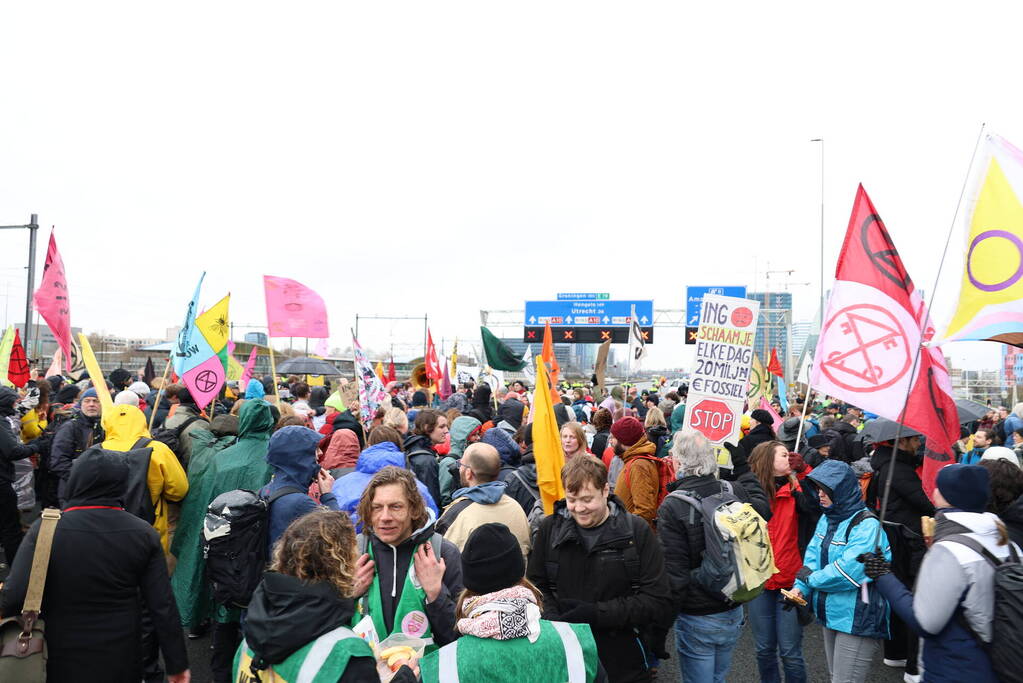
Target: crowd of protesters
(427, 525)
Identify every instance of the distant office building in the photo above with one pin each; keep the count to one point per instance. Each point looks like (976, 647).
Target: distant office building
(42, 343)
(256, 338)
(773, 328)
(800, 333)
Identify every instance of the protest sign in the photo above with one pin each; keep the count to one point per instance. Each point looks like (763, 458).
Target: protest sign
(724, 352)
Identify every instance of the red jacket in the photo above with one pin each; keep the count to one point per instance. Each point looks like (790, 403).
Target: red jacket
(783, 528)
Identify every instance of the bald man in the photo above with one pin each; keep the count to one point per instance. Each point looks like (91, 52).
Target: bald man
(481, 500)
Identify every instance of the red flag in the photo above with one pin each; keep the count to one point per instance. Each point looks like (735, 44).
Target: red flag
(52, 302)
(391, 376)
(875, 322)
(432, 363)
(547, 353)
(18, 371)
(774, 366)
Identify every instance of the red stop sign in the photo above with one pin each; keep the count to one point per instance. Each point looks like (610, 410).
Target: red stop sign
(712, 418)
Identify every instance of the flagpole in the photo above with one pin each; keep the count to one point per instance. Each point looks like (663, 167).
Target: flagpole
(273, 369)
(919, 348)
(159, 394)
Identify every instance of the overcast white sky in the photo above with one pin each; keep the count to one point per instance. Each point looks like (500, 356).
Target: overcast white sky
(403, 158)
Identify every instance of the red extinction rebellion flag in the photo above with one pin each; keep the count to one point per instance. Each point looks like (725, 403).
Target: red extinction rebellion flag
(873, 325)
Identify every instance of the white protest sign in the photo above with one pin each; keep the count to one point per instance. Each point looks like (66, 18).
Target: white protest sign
(724, 352)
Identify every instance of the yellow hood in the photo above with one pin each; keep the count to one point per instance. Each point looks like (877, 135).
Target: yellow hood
(124, 425)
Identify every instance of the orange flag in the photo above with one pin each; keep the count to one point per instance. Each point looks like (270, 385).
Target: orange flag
(547, 354)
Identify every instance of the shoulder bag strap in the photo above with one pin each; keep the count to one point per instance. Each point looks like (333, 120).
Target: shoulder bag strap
(40, 565)
(976, 546)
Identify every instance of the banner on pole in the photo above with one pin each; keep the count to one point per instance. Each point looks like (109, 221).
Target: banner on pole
(724, 353)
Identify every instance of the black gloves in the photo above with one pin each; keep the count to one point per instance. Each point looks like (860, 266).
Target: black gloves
(578, 612)
(803, 573)
(874, 565)
(739, 463)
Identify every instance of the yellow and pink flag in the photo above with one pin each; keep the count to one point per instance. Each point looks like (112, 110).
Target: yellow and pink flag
(991, 293)
(200, 354)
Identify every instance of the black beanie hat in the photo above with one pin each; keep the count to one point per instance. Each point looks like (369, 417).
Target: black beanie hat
(491, 559)
(762, 416)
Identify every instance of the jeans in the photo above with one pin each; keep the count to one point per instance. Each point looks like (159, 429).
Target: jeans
(777, 632)
(705, 644)
(849, 657)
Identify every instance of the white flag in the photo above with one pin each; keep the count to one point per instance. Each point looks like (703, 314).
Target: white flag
(530, 369)
(637, 346)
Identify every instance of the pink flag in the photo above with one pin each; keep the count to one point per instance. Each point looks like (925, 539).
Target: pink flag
(293, 310)
(247, 372)
(52, 302)
(54, 368)
(321, 348)
(764, 405)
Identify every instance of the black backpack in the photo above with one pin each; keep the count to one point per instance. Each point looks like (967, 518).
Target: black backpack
(171, 438)
(137, 500)
(234, 543)
(1006, 646)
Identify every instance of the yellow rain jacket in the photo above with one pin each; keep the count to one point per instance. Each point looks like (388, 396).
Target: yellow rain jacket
(124, 425)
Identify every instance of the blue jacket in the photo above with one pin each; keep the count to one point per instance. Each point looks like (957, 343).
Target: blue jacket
(348, 489)
(833, 587)
(292, 454)
(972, 456)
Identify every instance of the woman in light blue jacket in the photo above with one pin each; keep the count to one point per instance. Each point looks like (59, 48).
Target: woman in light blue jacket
(832, 580)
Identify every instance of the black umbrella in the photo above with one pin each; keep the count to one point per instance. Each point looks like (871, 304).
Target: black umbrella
(970, 410)
(307, 366)
(881, 429)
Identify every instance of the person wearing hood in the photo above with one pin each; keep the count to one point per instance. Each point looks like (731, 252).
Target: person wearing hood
(657, 431)
(465, 430)
(344, 419)
(522, 484)
(74, 437)
(503, 637)
(431, 429)
(842, 438)
(291, 453)
(510, 415)
(383, 451)
(832, 580)
(762, 432)
(239, 465)
(409, 576)
(187, 418)
(482, 500)
(338, 458)
(11, 449)
(105, 565)
(597, 564)
(296, 627)
(952, 606)
(506, 447)
(637, 485)
(125, 429)
(482, 406)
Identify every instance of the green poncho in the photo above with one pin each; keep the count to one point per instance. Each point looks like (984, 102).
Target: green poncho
(239, 466)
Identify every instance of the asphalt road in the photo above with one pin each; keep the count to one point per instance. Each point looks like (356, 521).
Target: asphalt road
(744, 661)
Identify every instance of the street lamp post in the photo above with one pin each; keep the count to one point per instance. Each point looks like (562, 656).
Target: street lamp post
(33, 229)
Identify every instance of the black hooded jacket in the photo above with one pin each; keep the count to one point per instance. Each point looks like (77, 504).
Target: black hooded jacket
(104, 564)
(1012, 516)
(345, 420)
(511, 412)
(72, 439)
(11, 448)
(286, 613)
(422, 461)
(525, 494)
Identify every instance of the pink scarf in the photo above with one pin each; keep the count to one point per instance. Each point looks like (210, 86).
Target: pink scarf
(502, 615)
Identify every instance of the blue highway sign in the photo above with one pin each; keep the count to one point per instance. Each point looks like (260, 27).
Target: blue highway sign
(597, 313)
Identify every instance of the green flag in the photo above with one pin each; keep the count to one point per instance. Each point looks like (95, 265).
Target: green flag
(499, 356)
